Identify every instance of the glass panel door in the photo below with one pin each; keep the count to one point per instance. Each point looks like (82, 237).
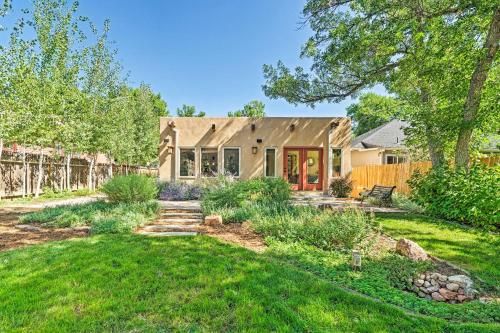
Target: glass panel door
(314, 169)
(292, 171)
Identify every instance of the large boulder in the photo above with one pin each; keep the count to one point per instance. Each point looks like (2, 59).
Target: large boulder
(412, 250)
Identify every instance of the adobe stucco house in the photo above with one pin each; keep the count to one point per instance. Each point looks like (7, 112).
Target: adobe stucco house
(307, 152)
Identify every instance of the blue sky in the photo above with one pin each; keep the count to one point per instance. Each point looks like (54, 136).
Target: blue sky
(207, 53)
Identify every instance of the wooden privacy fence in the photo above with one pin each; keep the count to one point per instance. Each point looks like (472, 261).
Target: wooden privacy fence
(12, 172)
(366, 176)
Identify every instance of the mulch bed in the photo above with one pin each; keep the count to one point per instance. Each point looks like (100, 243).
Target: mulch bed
(236, 233)
(12, 237)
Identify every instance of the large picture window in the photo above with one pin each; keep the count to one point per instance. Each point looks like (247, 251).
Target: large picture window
(336, 162)
(209, 162)
(186, 159)
(232, 161)
(270, 162)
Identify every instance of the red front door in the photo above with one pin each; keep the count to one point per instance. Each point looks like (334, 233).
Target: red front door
(303, 168)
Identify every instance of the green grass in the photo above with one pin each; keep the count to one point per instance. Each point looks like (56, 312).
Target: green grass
(473, 250)
(130, 283)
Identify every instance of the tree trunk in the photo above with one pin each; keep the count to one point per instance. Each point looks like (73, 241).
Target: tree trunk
(91, 174)
(40, 174)
(25, 172)
(1, 150)
(68, 172)
(110, 168)
(476, 85)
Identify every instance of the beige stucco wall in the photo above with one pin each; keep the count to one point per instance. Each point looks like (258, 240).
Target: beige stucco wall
(366, 157)
(372, 156)
(193, 132)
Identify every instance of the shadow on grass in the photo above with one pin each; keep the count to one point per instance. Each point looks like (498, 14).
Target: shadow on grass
(122, 283)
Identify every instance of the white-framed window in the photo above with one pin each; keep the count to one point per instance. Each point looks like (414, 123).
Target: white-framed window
(270, 164)
(394, 159)
(336, 162)
(232, 160)
(186, 162)
(209, 162)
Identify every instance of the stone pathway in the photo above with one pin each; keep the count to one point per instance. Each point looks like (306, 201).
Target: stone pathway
(52, 203)
(318, 199)
(177, 218)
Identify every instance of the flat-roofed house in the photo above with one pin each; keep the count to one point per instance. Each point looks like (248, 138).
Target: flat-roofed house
(307, 152)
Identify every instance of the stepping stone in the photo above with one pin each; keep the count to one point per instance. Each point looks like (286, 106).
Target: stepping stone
(168, 234)
(171, 227)
(179, 221)
(27, 227)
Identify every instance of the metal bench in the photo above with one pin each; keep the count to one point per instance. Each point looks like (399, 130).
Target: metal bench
(382, 193)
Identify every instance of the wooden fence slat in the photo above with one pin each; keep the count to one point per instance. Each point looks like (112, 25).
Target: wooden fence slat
(366, 176)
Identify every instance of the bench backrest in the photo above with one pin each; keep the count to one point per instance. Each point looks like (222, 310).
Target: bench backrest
(381, 191)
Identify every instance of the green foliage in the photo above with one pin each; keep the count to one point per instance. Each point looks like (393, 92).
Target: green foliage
(426, 55)
(102, 217)
(467, 196)
(189, 111)
(131, 188)
(238, 194)
(341, 187)
(382, 276)
(371, 111)
(346, 230)
(253, 109)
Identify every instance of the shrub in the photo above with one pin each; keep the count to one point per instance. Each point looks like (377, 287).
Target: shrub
(326, 230)
(101, 216)
(171, 191)
(240, 193)
(471, 196)
(131, 188)
(341, 187)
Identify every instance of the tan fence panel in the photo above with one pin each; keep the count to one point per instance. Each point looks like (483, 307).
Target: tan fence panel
(366, 176)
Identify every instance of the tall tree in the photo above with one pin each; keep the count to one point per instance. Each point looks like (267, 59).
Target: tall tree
(253, 109)
(371, 111)
(425, 52)
(189, 111)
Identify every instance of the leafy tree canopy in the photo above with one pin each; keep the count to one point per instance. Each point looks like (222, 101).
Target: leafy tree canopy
(189, 111)
(371, 111)
(438, 56)
(253, 109)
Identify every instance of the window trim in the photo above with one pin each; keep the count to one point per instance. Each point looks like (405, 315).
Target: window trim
(178, 163)
(275, 162)
(239, 160)
(396, 156)
(218, 165)
(341, 160)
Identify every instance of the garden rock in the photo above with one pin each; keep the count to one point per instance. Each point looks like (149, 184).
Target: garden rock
(27, 227)
(437, 297)
(411, 250)
(438, 287)
(213, 220)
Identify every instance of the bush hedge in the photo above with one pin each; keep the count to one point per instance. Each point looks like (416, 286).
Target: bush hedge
(468, 196)
(130, 189)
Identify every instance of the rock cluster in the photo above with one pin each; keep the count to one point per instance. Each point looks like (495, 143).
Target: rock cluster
(213, 220)
(442, 288)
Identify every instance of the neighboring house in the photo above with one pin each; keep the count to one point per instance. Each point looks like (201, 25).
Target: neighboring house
(381, 145)
(307, 152)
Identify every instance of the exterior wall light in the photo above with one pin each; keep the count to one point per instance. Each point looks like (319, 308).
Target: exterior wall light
(213, 127)
(253, 127)
(356, 260)
(170, 149)
(259, 140)
(254, 150)
(166, 140)
(292, 127)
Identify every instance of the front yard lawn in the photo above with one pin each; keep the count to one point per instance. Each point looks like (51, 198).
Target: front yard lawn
(131, 283)
(473, 250)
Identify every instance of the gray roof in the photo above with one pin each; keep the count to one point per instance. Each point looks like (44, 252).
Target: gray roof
(389, 135)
